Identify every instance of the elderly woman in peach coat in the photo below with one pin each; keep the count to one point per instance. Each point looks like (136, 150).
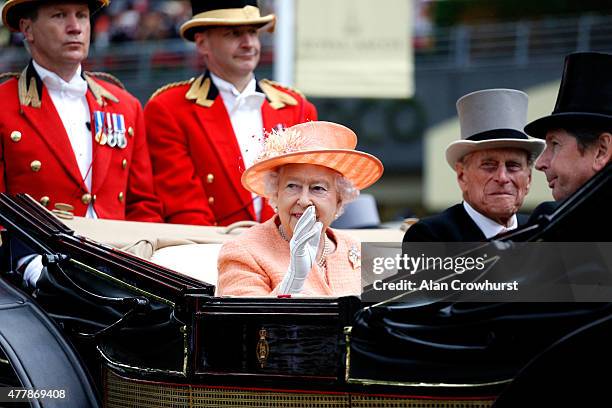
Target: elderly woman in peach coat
(308, 172)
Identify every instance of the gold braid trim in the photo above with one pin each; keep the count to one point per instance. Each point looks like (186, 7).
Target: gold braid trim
(297, 91)
(198, 92)
(99, 92)
(108, 77)
(8, 75)
(28, 94)
(170, 86)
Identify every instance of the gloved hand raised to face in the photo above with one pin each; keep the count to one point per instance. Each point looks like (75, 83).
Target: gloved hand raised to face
(304, 246)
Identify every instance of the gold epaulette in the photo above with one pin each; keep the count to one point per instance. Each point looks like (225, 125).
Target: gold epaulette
(297, 91)
(170, 86)
(7, 75)
(99, 92)
(108, 77)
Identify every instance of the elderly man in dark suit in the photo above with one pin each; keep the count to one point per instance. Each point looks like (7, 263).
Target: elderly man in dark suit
(493, 162)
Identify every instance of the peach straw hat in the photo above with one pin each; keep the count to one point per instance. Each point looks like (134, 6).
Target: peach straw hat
(324, 144)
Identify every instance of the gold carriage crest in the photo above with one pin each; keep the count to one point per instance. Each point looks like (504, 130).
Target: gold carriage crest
(263, 349)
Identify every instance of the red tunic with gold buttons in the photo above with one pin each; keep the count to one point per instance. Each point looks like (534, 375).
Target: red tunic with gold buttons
(37, 156)
(197, 163)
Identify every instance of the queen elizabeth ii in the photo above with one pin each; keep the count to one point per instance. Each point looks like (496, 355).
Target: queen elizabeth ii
(308, 172)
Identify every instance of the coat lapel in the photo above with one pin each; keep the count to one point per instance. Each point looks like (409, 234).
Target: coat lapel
(273, 119)
(273, 115)
(100, 154)
(215, 121)
(467, 227)
(98, 99)
(45, 120)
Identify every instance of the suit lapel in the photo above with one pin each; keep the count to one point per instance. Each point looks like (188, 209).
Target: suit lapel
(272, 112)
(100, 155)
(48, 125)
(272, 118)
(217, 125)
(468, 228)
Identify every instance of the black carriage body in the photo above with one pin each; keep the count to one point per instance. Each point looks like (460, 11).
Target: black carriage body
(162, 339)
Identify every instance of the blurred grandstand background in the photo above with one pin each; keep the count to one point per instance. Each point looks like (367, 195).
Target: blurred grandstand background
(460, 46)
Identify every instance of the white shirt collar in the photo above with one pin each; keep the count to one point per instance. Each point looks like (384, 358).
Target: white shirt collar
(226, 86)
(75, 88)
(232, 97)
(45, 73)
(489, 227)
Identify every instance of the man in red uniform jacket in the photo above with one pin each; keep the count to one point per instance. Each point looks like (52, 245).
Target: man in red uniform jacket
(72, 141)
(204, 132)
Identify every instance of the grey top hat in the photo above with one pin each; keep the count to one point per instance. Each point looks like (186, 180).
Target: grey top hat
(492, 119)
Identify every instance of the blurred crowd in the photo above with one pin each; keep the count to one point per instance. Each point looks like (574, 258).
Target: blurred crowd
(130, 20)
(153, 20)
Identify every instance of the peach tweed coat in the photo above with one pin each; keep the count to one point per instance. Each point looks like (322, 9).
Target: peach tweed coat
(255, 263)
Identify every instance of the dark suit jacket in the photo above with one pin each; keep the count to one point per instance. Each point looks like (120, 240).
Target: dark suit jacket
(545, 208)
(452, 225)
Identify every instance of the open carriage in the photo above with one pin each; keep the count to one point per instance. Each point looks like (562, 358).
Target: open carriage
(115, 330)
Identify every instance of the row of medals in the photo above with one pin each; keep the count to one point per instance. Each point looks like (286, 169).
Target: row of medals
(110, 132)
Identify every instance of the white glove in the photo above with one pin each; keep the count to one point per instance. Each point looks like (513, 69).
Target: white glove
(33, 268)
(304, 246)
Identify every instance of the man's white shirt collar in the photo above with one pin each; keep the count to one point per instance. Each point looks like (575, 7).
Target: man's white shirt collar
(76, 87)
(489, 227)
(232, 97)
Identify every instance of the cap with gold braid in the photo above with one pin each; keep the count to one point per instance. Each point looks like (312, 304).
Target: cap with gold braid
(219, 13)
(13, 9)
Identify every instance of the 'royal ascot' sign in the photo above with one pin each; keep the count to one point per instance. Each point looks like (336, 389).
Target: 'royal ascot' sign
(354, 48)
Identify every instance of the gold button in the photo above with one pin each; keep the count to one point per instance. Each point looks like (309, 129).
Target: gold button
(16, 136)
(121, 196)
(94, 198)
(124, 163)
(86, 198)
(211, 200)
(35, 165)
(210, 178)
(64, 207)
(130, 131)
(44, 201)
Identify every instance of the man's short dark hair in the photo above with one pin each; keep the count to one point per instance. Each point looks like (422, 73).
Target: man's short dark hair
(586, 136)
(30, 12)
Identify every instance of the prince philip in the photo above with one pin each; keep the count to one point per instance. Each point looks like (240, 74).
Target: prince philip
(493, 162)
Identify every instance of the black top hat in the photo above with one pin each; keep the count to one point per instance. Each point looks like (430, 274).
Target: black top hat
(201, 6)
(585, 95)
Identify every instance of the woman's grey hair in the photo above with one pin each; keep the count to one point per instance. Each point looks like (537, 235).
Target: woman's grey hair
(345, 188)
